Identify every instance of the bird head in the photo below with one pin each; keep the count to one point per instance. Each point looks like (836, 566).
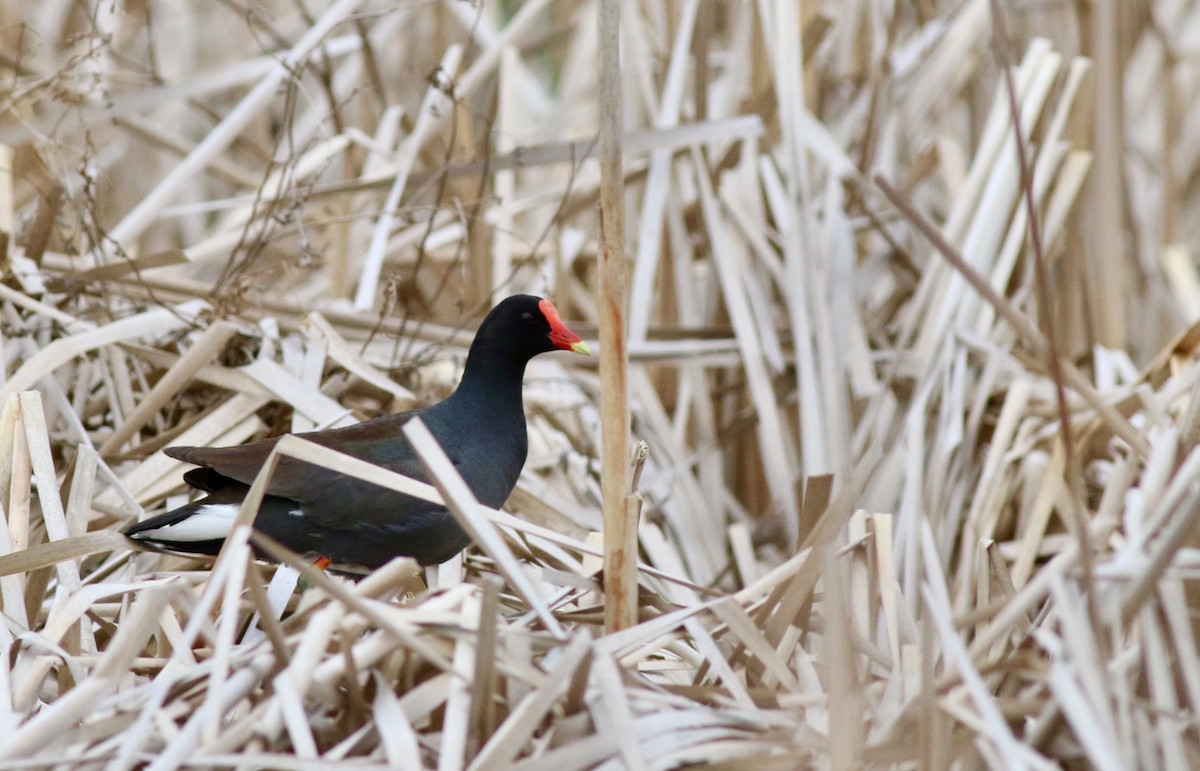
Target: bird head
(528, 325)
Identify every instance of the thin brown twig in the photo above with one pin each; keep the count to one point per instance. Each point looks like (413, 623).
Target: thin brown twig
(1046, 314)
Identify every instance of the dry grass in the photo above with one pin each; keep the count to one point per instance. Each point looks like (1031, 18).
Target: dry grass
(922, 488)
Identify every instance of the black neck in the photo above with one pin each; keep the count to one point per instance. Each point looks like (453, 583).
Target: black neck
(491, 380)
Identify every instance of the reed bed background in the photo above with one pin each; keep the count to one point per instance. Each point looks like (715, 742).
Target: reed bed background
(921, 481)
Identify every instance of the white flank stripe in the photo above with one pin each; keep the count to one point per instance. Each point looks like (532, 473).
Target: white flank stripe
(208, 524)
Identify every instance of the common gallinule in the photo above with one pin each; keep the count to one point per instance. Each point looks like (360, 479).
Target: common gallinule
(317, 512)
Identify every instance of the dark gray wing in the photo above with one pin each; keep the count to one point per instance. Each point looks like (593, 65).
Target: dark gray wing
(328, 498)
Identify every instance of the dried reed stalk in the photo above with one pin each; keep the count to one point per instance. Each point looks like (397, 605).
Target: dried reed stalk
(620, 521)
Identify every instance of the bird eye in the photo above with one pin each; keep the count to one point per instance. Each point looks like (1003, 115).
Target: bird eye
(527, 316)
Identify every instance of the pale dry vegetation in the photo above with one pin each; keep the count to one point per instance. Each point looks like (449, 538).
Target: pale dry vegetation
(922, 482)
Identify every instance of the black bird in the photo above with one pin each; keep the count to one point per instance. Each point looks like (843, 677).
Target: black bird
(346, 521)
